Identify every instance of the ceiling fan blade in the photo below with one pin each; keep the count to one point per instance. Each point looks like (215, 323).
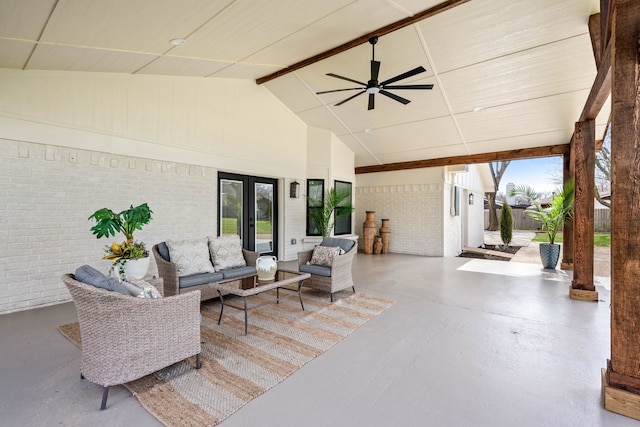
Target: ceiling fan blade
(396, 97)
(372, 102)
(339, 90)
(403, 76)
(410, 87)
(375, 69)
(346, 78)
(350, 98)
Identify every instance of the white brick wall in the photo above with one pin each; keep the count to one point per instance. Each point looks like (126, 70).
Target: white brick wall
(415, 214)
(47, 193)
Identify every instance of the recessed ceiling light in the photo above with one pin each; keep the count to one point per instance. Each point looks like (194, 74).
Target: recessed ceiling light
(177, 42)
(368, 130)
(478, 109)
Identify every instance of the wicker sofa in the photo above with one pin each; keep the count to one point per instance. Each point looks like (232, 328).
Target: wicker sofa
(335, 277)
(125, 338)
(175, 283)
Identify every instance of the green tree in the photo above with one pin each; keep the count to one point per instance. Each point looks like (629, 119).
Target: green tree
(497, 170)
(506, 224)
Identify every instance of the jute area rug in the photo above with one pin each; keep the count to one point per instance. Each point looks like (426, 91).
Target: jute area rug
(237, 368)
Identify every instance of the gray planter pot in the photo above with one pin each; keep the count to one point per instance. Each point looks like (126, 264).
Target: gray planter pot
(549, 254)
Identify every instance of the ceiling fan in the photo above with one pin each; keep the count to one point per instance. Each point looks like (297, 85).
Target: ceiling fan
(373, 86)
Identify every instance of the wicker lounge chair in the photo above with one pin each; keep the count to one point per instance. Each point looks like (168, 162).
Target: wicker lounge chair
(125, 338)
(334, 278)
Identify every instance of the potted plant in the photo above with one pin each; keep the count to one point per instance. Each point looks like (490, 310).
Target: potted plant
(552, 218)
(336, 203)
(131, 257)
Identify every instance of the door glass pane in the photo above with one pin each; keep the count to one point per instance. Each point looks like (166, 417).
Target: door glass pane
(264, 217)
(231, 207)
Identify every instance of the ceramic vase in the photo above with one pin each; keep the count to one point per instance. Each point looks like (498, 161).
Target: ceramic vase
(369, 232)
(135, 268)
(385, 233)
(266, 266)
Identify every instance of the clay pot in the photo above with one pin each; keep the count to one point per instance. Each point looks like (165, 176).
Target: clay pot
(369, 232)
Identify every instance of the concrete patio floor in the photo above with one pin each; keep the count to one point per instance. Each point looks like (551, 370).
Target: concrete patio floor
(467, 343)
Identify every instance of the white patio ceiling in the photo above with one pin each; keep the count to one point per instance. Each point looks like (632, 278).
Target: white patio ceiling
(529, 64)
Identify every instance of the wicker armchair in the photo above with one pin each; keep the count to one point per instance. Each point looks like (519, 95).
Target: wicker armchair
(125, 338)
(330, 279)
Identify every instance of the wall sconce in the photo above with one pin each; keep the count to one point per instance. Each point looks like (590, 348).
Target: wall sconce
(470, 198)
(294, 189)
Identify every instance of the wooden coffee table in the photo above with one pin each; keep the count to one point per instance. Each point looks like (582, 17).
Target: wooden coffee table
(245, 286)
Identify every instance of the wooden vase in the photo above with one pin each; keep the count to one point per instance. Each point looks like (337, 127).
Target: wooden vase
(385, 234)
(369, 232)
(377, 246)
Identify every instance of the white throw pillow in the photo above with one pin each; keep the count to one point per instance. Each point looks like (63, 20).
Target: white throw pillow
(226, 252)
(141, 289)
(190, 256)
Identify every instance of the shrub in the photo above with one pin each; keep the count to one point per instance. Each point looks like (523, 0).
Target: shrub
(506, 224)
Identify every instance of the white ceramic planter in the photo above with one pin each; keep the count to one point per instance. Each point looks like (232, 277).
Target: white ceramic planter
(136, 268)
(266, 266)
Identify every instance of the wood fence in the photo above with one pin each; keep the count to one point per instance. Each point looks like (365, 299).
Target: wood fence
(522, 221)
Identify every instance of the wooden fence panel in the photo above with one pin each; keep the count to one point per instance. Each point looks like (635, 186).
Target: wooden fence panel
(522, 221)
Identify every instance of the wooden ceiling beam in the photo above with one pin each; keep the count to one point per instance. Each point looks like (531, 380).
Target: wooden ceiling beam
(439, 8)
(518, 154)
(596, 39)
(600, 89)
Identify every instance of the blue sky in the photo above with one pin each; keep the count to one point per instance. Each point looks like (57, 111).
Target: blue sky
(536, 173)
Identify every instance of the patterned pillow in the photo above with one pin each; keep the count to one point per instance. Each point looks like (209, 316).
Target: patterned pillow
(141, 289)
(226, 252)
(323, 255)
(190, 256)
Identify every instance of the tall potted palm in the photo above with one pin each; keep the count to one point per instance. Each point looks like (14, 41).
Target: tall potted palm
(552, 218)
(336, 203)
(130, 257)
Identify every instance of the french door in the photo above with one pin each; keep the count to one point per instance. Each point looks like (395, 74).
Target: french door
(247, 206)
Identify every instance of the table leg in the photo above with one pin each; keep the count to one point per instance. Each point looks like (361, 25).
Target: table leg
(245, 316)
(221, 307)
(300, 293)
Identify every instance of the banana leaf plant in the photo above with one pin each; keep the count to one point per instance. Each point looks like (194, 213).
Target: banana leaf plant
(108, 223)
(553, 217)
(336, 203)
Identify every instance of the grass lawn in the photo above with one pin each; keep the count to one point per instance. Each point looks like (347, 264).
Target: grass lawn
(230, 226)
(599, 239)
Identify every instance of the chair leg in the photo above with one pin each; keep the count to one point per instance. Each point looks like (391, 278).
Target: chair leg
(354, 289)
(198, 361)
(105, 393)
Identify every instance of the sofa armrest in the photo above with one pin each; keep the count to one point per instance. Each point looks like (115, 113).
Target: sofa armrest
(304, 257)
(169, 273)
(250, 257)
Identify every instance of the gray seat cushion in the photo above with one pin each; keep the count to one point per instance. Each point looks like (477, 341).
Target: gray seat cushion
(345, 244)
(91, 276)
(239, 271)
(318, 270)
(199, 279)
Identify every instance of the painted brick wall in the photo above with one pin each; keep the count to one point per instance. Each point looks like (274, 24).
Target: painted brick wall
(415, 214)
(48, 192)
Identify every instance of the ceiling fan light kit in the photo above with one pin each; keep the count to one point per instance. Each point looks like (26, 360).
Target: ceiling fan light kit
(373, 86)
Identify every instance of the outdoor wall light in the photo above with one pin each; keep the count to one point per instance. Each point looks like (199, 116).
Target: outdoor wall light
(294, 189)
(470, 198)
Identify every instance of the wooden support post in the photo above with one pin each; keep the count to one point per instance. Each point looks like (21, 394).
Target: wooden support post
(585, 160)
(567, 231)
(621, 385)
